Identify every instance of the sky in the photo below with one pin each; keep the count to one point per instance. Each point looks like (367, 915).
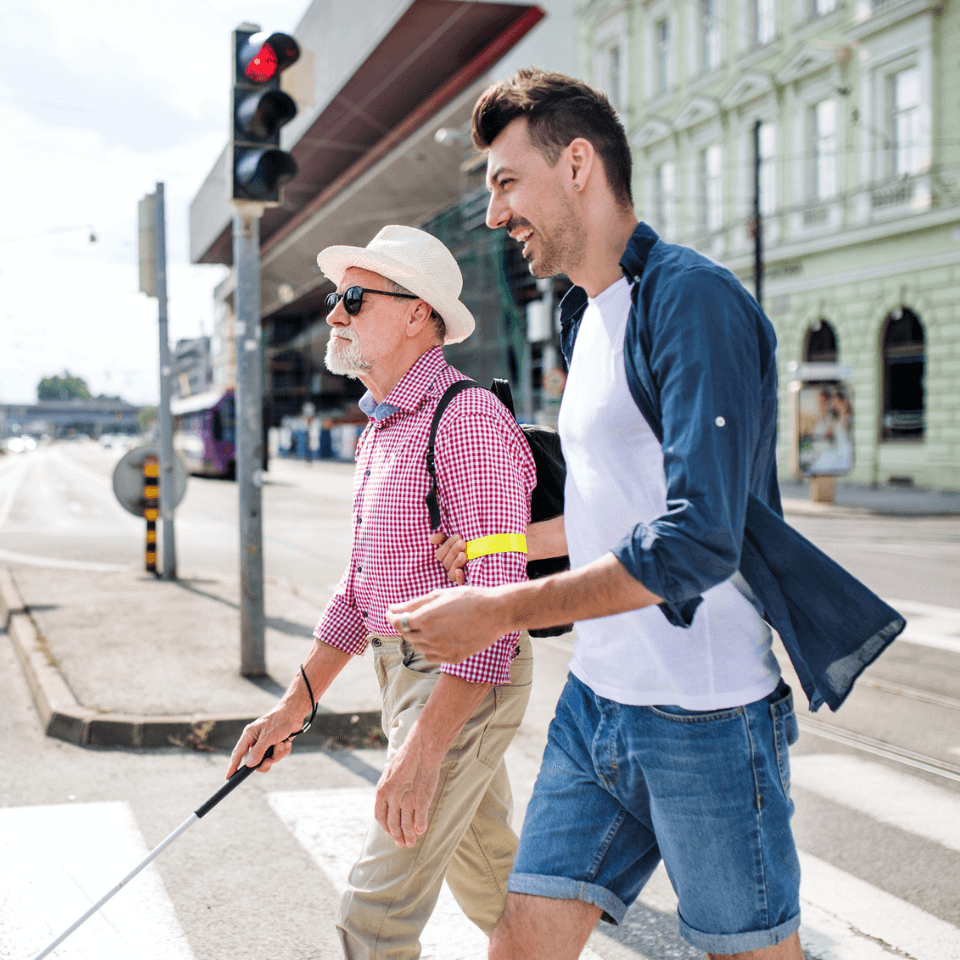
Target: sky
(101, 101)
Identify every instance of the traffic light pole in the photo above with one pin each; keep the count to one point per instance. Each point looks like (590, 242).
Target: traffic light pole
(167, 498)
(246, 260)
(258, 171)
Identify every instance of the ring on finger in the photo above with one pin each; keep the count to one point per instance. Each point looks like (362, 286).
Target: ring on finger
(404, 623)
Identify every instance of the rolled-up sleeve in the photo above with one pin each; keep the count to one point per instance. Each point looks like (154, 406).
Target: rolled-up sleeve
(486, 475)
(703, 356)
(341, 625)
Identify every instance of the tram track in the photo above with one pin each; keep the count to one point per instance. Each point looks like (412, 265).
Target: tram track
(880, 748)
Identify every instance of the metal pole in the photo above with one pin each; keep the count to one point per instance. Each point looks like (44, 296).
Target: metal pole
(167, 501)
(246, 259)
(757, 221)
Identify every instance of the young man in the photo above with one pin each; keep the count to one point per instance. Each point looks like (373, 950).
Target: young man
(444, 799)
(670, 738)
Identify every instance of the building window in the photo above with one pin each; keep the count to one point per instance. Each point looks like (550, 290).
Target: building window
(709, 35)
(904, 121)
(820, 8)
(820, 344)
(662, 46)
(608, 71)
(665, 202)
(768, 167)
(902, 356)
(711, 182)
(823, 123)
(764, 22)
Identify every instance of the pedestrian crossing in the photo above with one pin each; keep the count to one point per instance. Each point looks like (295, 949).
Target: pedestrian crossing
(57, 860)
(929, 625)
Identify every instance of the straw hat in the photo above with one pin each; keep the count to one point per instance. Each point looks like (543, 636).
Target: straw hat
(415, 260)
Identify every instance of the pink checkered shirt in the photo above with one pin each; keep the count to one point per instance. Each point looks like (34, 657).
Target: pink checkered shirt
(485, 475)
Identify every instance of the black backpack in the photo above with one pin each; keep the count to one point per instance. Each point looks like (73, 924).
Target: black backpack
(547, 499)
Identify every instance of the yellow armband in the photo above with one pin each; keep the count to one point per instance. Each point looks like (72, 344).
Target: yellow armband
(496, 543)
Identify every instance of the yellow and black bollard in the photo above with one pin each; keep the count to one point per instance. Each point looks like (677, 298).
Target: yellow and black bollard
(151, 501)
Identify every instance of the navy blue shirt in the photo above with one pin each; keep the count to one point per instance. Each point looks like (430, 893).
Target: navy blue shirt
(700, 358)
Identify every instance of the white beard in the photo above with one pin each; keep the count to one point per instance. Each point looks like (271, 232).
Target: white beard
(343, 356)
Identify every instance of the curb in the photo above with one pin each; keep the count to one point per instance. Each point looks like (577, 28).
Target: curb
(64, 718)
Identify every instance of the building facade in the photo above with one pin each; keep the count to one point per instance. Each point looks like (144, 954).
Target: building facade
(191, 367)
(851, 107)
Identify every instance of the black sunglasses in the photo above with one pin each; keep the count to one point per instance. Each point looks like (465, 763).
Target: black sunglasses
(352, 298)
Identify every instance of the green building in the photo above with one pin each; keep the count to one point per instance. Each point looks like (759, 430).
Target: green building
(853, 105)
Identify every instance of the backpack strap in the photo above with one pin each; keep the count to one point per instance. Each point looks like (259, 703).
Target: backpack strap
(433, 505)
(501, 390)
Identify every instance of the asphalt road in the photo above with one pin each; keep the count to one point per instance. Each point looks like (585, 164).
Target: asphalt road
(877, 786)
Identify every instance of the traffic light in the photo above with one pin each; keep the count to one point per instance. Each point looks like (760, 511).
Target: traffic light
(259, 168)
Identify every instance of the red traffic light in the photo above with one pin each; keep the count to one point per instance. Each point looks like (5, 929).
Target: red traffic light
(265, 55)
(263, 66)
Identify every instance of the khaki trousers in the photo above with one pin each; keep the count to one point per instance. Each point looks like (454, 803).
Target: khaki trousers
(392, 890)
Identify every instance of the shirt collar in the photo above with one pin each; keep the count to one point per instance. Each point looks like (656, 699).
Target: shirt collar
(408, 394)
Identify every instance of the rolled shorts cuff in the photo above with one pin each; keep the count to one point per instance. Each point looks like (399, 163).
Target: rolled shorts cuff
(739, 942)
(563, 888)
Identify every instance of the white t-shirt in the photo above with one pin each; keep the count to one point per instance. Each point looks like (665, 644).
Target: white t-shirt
(615, 479)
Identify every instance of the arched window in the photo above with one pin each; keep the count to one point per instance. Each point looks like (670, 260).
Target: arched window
(902, 357)
(820, 345)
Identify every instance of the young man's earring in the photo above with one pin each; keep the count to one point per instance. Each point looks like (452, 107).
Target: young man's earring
(576, 186)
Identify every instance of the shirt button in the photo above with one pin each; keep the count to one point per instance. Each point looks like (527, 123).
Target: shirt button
(366, 473)
(359, 521)
(359, 568)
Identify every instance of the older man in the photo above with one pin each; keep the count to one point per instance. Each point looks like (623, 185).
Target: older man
(443, 801)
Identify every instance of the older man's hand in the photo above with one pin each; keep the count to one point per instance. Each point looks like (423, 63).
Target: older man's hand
(447, 626)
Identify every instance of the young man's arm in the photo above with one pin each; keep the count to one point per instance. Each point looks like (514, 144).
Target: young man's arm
(448, 625)
(546, 538)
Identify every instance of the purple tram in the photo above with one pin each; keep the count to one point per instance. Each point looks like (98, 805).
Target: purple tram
(205, 433)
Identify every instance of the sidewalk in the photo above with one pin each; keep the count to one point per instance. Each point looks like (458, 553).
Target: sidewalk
(882, 501)
(124, 659)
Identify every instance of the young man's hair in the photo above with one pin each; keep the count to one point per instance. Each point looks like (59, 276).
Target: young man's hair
(558, 109)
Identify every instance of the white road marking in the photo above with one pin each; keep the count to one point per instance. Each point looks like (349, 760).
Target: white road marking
(924, 638)
(854, 918)
(57, 862)
(929, 625)
(885, 795)
(11, 476)
(331, 824)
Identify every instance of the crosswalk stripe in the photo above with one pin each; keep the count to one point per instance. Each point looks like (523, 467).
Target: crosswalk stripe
(57, 862)
(926, 638)
(856, 916)
(885, 795)
(331, 824)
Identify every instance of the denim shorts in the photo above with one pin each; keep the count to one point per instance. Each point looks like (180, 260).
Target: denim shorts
(708, 792)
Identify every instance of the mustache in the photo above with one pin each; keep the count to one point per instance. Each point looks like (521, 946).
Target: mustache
(516, 222)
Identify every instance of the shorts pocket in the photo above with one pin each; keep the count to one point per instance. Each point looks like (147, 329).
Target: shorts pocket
(786, 731)
(682, 715)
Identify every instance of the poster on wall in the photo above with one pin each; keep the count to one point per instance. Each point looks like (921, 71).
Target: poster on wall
(825, 434)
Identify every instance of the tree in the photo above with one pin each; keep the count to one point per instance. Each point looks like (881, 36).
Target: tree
(63, 388)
